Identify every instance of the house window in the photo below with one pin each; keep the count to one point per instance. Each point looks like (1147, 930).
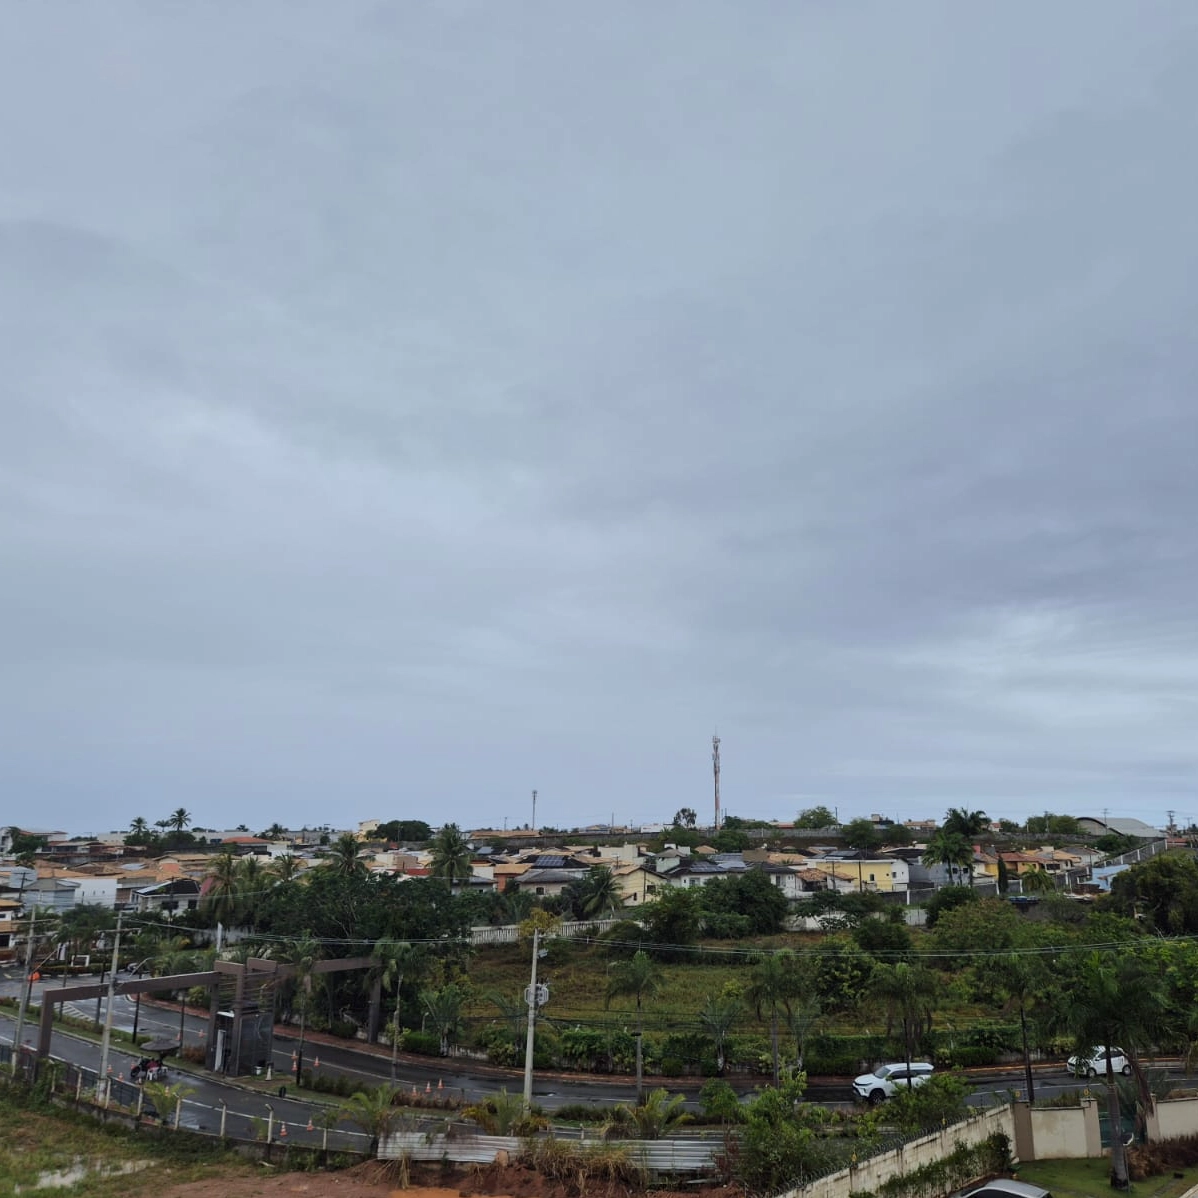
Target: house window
(871, 877)
(540, 890)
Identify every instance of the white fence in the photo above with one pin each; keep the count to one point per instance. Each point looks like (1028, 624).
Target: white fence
(509, 933)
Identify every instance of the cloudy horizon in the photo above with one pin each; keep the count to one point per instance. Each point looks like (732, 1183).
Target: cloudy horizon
(407, 406)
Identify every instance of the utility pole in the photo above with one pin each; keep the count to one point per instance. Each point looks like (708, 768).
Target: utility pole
(102, 1080)
(530, 1034)
(715, 769)
(24, 1004)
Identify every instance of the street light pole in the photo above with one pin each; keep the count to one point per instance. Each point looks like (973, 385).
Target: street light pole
(25, 989)
(530, 1035)
(107, 1037)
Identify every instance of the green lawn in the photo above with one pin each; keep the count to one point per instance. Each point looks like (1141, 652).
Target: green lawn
(1090, 1179)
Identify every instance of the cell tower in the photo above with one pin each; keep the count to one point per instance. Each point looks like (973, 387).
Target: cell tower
(715, 770)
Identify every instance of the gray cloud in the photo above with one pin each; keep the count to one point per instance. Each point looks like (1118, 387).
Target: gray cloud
(406, 406)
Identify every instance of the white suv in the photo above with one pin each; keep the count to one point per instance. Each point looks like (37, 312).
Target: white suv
(887, 1080)
(1093, 1063)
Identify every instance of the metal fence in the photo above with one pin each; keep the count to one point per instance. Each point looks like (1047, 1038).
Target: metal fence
(656, 1156)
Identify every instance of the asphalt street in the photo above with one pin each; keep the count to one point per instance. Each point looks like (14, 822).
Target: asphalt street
(460, 1077)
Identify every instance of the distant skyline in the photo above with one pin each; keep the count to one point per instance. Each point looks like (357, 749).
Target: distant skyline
(408, 405)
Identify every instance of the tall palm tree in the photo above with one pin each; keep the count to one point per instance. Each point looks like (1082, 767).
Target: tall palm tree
(1022, 981)
(452, 857)
(908, 993)
(952, 850)
(302, 955)
(717, 1016)
(342, 857)
(139, 829)
(968, 823)
(179, 819)
(772, 986)
(394, 962)
(221, 897)
(252, 881)
(639, 978)
(1114, 999)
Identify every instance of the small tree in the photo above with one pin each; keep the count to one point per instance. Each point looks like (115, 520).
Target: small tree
(444, 1010)
(717, 1016)
(638, 978)
(373, 1112)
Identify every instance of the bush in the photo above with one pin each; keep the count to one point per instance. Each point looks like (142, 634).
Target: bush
(426, 1043)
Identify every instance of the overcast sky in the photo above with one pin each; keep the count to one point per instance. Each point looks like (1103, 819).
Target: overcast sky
(404, 406)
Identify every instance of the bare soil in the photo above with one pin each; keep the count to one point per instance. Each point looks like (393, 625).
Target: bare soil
(373, 1180)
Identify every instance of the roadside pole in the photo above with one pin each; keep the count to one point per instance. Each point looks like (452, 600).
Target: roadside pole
(102, 1080)
(532, 1019)
(23, 1006)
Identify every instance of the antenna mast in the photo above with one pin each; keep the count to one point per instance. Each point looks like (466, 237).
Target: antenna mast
(715, 770)
(534, 810)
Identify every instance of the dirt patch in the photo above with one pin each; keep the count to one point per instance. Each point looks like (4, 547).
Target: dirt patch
(373, 1180)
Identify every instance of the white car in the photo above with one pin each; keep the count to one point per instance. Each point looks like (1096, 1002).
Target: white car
(887, 1080)
(1094, 1065)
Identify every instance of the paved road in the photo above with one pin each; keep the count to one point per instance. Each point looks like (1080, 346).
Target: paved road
(462, 1078)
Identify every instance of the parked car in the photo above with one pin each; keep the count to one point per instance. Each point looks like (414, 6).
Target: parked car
(1094, 1065)
(886, 1080)
(1003, 1187)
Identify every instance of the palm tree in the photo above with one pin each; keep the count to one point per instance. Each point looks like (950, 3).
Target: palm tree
(805, 1019)
(654, 1118)
(393, 961)
(452, 857)
(286, 868)
(1035, 879)
(302, 955)
(598, 894)
(222, 898)
(772, 986)
(952, 850)
(374, 1112)
(139, 830)
(717, 1016)
(1114, 999)
(638, 977)
(908, 993)
(276, 831)
(342, 857)
(968, 823)
(1021, 980)
(444, 1009)
(179, 819)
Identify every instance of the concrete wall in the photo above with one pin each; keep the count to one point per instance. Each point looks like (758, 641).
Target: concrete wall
(1173, 1117)
(1053, 1133)
(871, 1174)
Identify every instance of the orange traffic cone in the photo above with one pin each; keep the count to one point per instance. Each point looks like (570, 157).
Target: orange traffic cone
(310, 1127)
(120, 1077)
(413, 1090)
(440, 1084)
(283, 1132)
(428, 1087)
(316, 1062)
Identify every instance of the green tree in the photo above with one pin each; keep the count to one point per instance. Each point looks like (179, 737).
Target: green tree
(444, 1010)
(969, 824)
(674, 918)
(685, 817)
(659, 1114)
(1022, 981)
(1162, 892)
(948, 898)
(772, 987)
(954, 852)
(302, 955)
(717, 1017)
(1113, 999)
(1035, 879)
(342, 856)
(777, 1152)
(908, 994)
(452, 856)
(286, 867)
(374, 1112)
(222, 892)
(861, 834)
(140, 832)
(636, 978)
(815, 819)
(179, 819)
(595, 896)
